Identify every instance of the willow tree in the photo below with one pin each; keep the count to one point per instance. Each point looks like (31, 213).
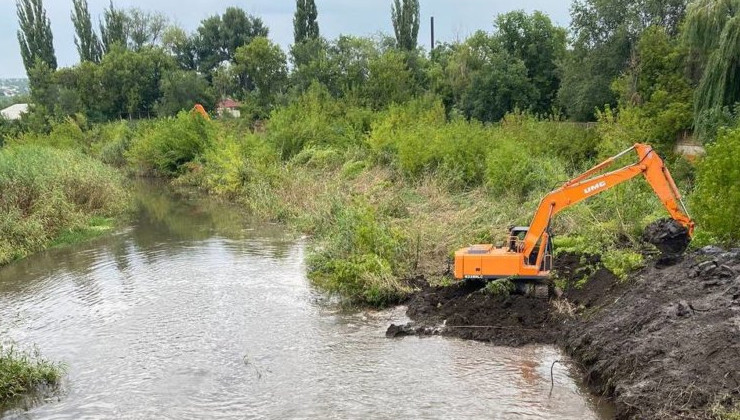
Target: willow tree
(713, 33)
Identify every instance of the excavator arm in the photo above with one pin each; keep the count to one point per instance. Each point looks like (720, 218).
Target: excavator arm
(588, 184)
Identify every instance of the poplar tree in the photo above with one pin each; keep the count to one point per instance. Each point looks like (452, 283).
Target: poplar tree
(113, 29)
(34, 36)
(305, 24)
(87, 42)
(406, 16)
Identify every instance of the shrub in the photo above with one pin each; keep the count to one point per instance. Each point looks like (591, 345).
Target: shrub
(511, 168)
(46, 192)
(111, 143)
(66, 134)
(361, 256)
(170, 143)
(622, 262)
(716, 200)
(315, 119)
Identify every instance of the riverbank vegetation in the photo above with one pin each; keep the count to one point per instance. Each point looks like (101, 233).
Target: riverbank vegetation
(23, 372)
(52, 196)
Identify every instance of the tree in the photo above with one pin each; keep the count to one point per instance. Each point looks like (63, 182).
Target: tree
(180, 46)
(605, 36)
(406, 18)
(219, 37)
(305, 24)
(389, 80)
(113, 30)
(144, 28)
(181, 90)
(713, 34)
(540, 45)
(87, 42)
(130, 81)
(264, 63)
(34, 36)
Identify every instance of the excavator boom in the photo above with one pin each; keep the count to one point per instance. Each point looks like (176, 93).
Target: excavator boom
(530, 257)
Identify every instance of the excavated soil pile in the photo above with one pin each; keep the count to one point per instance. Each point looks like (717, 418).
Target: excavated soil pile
(665, 344)
(669, 345)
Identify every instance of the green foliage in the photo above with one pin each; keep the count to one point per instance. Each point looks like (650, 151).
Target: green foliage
(87, 42)
(34, 35)
(219, 37)
(111, 143)
(23, 372)
(405, 16)
(622, 262)
(169, 144)
(500, 287)
(540, 45)
(713, 33)
(181, 90)
(390, 81)
(716, 200)
(66, 134)
(265, 65)
(305, 24)
(655, 95)
(511, 169)
(361, 256)
(47, 192)
(316, 119)
(113, 29)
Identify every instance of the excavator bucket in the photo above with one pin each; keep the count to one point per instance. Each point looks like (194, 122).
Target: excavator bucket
(668, 235)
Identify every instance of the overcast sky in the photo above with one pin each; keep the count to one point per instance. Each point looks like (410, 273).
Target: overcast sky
(454, 19)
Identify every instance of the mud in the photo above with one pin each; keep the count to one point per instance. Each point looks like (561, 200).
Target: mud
(664, 344)
(670, 237)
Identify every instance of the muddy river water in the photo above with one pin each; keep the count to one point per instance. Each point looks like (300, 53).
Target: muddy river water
(194, 312)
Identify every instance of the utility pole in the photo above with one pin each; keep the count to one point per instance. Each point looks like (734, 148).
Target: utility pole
(432, 34)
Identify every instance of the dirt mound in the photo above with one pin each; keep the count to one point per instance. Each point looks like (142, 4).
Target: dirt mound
(665, 344)
(467, 311)
(669, 236)
(669, 345)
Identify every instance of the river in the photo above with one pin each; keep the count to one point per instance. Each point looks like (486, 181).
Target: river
(194, 312)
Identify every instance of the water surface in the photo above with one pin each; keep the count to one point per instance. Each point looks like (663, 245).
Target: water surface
(194, 312)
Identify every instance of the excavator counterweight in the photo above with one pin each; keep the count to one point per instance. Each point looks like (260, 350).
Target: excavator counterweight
(527, 254)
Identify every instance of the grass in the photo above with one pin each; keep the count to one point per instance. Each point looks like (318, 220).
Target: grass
(24, 372)
(51, 197)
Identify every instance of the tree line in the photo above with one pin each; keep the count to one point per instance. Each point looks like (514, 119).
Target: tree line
(665, 65)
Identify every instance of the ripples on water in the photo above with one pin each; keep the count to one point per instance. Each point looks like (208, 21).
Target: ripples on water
(194, 313)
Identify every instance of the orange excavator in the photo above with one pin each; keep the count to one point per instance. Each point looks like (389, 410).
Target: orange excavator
(527, 255)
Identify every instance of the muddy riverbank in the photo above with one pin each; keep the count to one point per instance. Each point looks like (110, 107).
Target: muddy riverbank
(663, 344)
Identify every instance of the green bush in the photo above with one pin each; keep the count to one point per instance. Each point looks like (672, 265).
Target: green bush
(111, 143)
(360, 256)
(315, 119)
(622, 262)
(511, 168)
(716, 200)
(169, 144)
(235, 166)
(46, 192)
(66, 134)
